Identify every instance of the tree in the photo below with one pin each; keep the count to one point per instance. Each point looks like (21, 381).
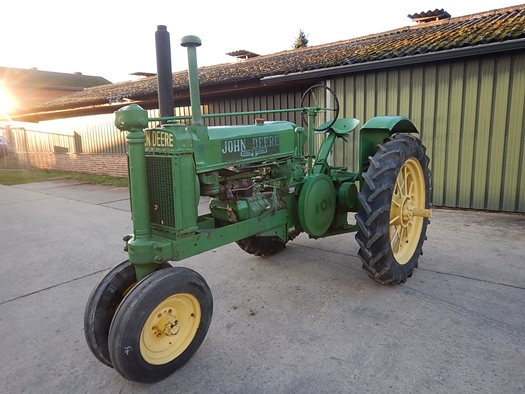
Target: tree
(301, 41)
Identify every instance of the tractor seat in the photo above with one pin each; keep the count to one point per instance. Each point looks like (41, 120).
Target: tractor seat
(343, 125)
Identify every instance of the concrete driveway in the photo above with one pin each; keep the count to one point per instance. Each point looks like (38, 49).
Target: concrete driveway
(308, 320)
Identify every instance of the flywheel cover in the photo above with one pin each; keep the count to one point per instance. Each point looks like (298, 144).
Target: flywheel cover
(317, 204)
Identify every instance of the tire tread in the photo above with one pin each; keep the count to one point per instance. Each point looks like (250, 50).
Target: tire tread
(373, 215)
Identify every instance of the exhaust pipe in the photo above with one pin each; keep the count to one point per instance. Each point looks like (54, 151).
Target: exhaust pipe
(164, 75)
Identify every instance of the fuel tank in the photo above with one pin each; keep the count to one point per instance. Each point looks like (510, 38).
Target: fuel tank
(237, 145)
(221, 147)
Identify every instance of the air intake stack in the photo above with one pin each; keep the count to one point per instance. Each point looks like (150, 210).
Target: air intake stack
(191, 43)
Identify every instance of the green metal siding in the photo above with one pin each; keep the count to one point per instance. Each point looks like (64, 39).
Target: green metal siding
(95, 134)
(470, 115)
(514, 181)
(248, 102)
(471, 118)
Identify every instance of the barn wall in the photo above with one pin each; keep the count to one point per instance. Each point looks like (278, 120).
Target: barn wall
(471, 119)
(470, 114)
(280, 99)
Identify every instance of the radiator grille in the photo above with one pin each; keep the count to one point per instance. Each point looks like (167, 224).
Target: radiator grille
(160, 190)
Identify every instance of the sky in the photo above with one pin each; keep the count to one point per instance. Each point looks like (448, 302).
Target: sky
(113, 38)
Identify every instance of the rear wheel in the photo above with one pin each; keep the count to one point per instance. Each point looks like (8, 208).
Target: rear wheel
(394, 209)
(261, 246)
(160, 324)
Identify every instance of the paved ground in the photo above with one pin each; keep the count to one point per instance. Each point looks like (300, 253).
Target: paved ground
(305, 321)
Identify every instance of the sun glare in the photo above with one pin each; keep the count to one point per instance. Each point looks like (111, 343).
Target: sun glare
(6, 102)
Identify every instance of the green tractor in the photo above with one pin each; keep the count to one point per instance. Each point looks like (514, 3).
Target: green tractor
(266, 184)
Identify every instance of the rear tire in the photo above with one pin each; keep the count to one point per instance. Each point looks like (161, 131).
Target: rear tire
(394, 209)
(261, 246)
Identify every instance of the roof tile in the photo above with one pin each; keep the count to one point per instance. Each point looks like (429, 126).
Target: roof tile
(478, 29)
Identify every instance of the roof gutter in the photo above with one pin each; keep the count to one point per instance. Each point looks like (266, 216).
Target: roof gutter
(512, 45)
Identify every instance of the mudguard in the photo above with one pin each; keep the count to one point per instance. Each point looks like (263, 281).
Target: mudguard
(376, 130)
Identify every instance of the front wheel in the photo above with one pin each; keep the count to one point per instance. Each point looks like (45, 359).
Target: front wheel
(160, 324)
(102, 304)
(394, 209)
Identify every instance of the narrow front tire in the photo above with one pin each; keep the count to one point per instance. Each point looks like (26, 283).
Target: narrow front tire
(102, 305)
(160, 324)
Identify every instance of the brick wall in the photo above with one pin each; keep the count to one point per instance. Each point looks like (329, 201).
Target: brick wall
(101, 164)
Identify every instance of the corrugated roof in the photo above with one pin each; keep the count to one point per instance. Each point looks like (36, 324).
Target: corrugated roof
(496, 26)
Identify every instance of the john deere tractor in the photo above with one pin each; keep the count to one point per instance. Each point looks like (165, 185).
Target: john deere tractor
(266, 184)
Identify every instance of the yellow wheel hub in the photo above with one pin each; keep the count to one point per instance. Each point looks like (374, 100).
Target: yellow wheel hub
(407, 211)
(170, 329)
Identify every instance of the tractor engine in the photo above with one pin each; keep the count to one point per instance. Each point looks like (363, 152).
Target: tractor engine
(246, 170)
(245, 198)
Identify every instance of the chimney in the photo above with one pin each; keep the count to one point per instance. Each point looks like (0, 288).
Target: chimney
(242, 54)
(429, 16)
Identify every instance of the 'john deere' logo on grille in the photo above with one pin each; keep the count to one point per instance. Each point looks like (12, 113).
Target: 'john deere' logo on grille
(250, 147)
(158, 139)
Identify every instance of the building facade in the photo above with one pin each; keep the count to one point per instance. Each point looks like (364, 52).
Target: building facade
(460, 80)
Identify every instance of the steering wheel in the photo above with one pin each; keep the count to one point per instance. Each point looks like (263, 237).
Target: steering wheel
(309, 100)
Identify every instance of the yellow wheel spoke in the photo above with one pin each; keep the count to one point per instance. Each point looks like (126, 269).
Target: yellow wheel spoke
(395, 238)
(407, 210)
(411, 189)
(403, 237)
(399, 186)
